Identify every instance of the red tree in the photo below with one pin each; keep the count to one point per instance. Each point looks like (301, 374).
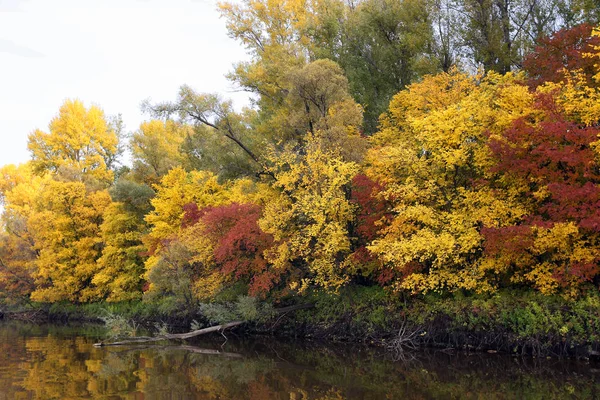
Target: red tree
(554, 157)
(372, 216)
(565, 49)
(240, 244)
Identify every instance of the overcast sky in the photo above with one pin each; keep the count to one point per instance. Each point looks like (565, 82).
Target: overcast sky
(113, 53)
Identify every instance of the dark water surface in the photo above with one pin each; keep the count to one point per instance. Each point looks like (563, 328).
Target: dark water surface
(59, 362)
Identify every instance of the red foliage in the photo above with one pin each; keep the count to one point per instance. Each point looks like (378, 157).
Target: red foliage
(372, 215)
(511, 239)
(191, 215)
(240, 244)
(564, 49)
(555, 155)
(371, 208)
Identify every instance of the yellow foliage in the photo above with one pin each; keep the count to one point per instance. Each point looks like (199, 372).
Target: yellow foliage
(177, 189)
(68, 240)
(430, 152)
(309, 219)
(155, 149)
(80, 142)
(579, 101)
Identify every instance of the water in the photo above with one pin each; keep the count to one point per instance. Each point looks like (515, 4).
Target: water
(59, 362)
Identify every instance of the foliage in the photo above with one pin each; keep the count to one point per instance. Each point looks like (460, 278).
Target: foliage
(551, 165)
(431, 155)
(309, 219)
(238, 245)
(80, 144)
(155, 149)
(121, 266)
(464, 183)
(564, 51)
(68, 241)
(119, 326)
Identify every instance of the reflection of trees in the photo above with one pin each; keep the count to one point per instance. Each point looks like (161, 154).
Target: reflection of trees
(56, 363)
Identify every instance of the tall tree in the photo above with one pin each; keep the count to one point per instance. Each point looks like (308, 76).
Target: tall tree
(80, 144)
(431, 156)
(69, 241)
(119, 275)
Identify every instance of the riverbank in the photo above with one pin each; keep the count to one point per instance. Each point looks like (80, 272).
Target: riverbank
(513, 322)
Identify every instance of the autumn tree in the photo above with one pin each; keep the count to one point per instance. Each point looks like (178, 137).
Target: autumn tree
(20, 191)
(120, 271)
(564, 51)
(67, 236)
(228, 246)
(16, 272)
(209, 111)
(309, 219)
(431, 155)
(155, 149)
(553, 166)
(80, 144)
(175, 190)
(381, 45)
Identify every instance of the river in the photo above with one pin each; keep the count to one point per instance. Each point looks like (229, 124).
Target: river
(60, 362)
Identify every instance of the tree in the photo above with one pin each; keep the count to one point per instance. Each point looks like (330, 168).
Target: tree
(309, 220)
(176, 189)
(226, 247)
(552, 165)
(66, 229)
(431, 156)
(16, 272)
(155, 149)
(20, 192)
(120, 271)
(381, 46)
(80, 143)
(564, 51)
(209, 111)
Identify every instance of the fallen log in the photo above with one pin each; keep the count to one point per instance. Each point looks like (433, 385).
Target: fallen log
(198, 332)
(171, 336)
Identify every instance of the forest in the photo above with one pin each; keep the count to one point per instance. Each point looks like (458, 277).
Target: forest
(411, 147)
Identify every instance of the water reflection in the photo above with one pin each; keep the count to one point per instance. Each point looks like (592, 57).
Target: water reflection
(54, 362)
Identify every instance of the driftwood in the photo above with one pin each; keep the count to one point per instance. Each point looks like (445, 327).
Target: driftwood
(188, 335)
(170, 336)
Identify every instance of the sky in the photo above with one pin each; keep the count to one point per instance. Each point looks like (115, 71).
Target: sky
(111, 53)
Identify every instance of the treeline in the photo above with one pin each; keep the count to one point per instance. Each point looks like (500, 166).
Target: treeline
(471, 180)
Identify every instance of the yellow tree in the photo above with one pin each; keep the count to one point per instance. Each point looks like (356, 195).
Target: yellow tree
(119, 276)
(80, 143)
(20, 191)
(155, 149)
(177, 189)
(432, 156)
(309, 219)
(66, 229)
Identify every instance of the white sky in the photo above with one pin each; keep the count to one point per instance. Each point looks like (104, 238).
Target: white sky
(113, 53)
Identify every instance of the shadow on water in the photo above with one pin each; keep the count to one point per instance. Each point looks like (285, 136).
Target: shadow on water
(59, 362)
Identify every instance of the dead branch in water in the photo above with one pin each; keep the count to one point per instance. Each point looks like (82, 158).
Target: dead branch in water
(406, 338)
(189, 335)
(172, 336)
